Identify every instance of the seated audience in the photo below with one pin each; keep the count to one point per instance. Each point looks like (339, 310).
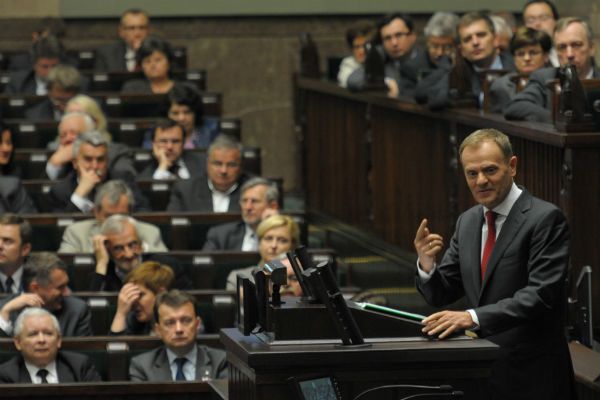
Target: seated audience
(503, 31)
(219, 189)
(46, 27)
(356, 36)
(169, 159)
(71, 125)
(37, 337)
(63, 82)
(137, 296)
(15, 246)
(14, 197)
(181, 358)
(439, 35)
(7, 149)
(121, 55)
(155, 55)
(402, 58)
(277, 235)
(529, 49)
(46, 285)
(259, 200)
(183, 105)
(90, 162)
(573, 40)
(113, 197)
(542, 15)
(85, 104)
(477, 47)
(46, 53)
(118, 251)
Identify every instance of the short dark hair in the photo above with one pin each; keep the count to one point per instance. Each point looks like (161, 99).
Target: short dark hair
(472, 17)
(47, 47)
(173, 298)
(387, 19)
(360, 28)
(136, 11)
(546, 2)
(165, 124)
(152, 44)
(184, 94)
(25, 230)
(39, 267)
(525, 36)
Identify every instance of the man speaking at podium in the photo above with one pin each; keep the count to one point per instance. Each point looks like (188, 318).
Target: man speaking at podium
(508, 256)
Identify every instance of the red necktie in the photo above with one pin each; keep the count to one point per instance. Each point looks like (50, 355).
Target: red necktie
(490, 217)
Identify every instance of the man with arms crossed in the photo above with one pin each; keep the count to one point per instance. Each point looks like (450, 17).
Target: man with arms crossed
(508, 256)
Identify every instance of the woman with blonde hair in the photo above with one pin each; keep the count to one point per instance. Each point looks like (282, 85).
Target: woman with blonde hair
(87, 105)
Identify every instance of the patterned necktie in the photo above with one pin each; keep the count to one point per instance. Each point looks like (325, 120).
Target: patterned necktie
(490, 217)
(43, 373)
(8, 284)
(179, 376)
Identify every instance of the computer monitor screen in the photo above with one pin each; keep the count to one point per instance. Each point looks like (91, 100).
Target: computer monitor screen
(247, 311)
(584, 313)
(315, 388)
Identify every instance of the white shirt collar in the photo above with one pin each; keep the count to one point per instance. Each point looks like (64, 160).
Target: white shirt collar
(227, 192)
(52, 376)
(250, 242)
(496, 64)
(509, 201)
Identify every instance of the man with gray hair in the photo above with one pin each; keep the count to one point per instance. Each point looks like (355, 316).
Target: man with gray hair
(259, 200)
(64, 82)
(118, 251)
(90, 163)
(37, 337)
(46, 281)
(439, 35)
(113, 197)
(218, 190)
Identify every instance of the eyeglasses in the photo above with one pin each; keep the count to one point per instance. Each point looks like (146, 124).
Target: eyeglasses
(167, 141)
(530, 53)
(446, 48)
(220, 164)
(576, 46)
(134, 27)
(538, 18)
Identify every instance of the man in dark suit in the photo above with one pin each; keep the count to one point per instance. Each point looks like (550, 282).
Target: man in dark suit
(573, 41)
(90, 163)
(46, 281)
(14, 197)
(118, 250)
(259, 199)
(47, 53)
(38, 338)
(511, 269)
(15, 246)
(219, 189)
(181, 358)
(476, 37)
(121, 55)
(169, 159)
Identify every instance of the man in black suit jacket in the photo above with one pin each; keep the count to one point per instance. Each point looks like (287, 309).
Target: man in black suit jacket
(13, 197)
(169, 159)
(512, 271)
(219, 189)
(40, 360)
(121, 55)
(534, 103)
(180, 359)
(45, 281)
(476, 37)
(90, 163)
(259, 199)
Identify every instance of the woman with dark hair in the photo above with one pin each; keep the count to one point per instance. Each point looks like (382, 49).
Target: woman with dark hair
(155, 56)
(7, 149)
(530, 50)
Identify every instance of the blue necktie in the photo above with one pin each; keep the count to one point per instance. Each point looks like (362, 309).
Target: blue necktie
(179, 376)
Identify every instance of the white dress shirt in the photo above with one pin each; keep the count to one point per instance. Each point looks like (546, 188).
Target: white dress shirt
(165, 174)
(250, 242)
(52, 376)
(221, 199)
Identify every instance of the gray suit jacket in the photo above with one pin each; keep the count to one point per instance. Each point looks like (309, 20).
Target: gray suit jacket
(74, 317)
(195, 195)
(111, 57)
(229, 236)
(77, 238)
(521, 302)
(154, 365)
(502, 90)
(70, 367)
(21, 82)
(13, 197)
(534, 103)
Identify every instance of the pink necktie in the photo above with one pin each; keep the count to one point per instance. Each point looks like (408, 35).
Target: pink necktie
(490, 217)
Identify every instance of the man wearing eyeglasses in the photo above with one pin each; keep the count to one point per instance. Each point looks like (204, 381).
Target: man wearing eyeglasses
(402, 58)
(169, 159)
(121, 55)
(218, 190)
(542, 15)
(118, 251)
(573, 40)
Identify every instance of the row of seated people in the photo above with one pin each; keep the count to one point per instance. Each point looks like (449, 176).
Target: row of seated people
(464, 55)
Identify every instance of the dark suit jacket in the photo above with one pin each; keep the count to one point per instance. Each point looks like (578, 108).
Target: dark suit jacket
(70, 367)
(194, 195)
(502, 90)
(521, 303)
(112, 283)
(229, 236)
(59, 197)
(194, 162)
(43, 111)
(111, 57)
(534, 103)
(74, 317)
(21, 82)
(13, 197)
(154, 365)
